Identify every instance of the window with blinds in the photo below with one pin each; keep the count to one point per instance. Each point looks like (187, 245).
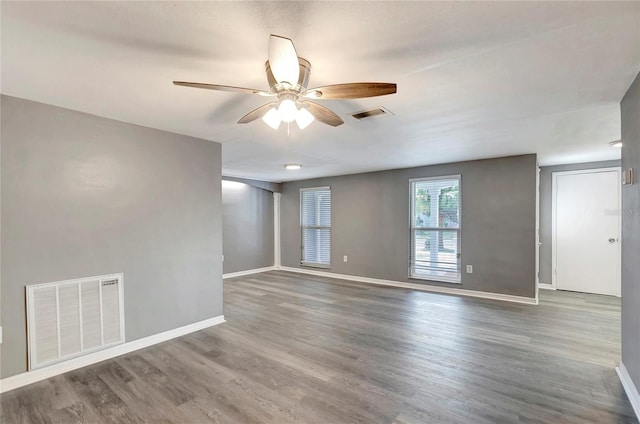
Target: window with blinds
(315, 226)
(435, 229)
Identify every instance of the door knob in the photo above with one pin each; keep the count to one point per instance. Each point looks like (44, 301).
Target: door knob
(612, 240)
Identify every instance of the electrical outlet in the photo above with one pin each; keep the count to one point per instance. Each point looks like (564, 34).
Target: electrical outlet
(469, 269)
(344, 258)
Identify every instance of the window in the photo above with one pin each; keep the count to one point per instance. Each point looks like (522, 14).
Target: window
(315, 223)
(435, 229)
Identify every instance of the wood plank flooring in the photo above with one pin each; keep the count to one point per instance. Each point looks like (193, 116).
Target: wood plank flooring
(303, 349)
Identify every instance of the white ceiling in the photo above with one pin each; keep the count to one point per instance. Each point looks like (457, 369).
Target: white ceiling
(475, 80)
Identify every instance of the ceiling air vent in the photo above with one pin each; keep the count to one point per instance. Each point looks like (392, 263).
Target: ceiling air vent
(376, 112)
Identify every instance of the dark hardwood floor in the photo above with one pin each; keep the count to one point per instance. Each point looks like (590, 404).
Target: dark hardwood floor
(302, 349)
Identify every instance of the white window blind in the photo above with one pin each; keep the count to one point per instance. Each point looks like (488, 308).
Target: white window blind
(315, 223)
(435, 229)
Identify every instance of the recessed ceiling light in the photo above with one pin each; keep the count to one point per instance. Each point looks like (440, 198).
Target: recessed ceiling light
(292, 166)
(617, 143)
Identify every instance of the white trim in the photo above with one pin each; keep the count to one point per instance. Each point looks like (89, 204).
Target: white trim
(412, 229)
(315, 227)
(537, 241)
(554, 213)
(314, 265)
(13, 382)
(435, 178)
(438, 278)
(414, 286)
(554, 218)
(276, 229)
(546, 286)
(316, 188)
(101, 315)
(629, 388)
(58, 325)
(248, 272)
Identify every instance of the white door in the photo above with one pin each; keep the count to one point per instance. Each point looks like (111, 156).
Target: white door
(587, 231)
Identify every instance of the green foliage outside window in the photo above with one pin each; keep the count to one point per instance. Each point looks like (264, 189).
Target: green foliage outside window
(447, 202)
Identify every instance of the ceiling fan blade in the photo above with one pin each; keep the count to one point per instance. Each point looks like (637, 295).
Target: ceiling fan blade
(283, 60)
(224, 88)
(353, 90)
(256, 113)
(323, 114)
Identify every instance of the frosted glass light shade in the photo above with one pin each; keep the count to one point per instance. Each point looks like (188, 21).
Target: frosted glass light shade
(272, 118)
(304, 118)
(287, 110)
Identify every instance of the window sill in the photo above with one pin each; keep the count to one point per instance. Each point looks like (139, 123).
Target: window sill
(437, 279)
(314, 265)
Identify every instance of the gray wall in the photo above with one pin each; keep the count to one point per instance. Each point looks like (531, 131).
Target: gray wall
(546, 211)
(370, 223)
(247, 227)
(84, 195)
(630, 112)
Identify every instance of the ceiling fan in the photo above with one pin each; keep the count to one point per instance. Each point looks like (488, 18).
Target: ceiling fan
(288, 78)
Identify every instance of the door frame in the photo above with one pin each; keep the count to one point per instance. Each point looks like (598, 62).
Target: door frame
(538, 244)
(554, 204)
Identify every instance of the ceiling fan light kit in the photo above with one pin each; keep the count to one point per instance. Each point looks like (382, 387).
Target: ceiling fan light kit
(292, 166)
(304, 118)
(288, 78)
(272, 118)
(287, 110)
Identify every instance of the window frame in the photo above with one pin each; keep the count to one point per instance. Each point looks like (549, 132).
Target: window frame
(315, 227)
(412, 229)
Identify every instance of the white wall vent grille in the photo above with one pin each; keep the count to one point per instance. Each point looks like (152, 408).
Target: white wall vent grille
(71, 318)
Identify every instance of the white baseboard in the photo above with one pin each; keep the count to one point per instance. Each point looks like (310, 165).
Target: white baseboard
(546, 286)
(629, 388)
(248, 272)
(414, 286)
(15, 381)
